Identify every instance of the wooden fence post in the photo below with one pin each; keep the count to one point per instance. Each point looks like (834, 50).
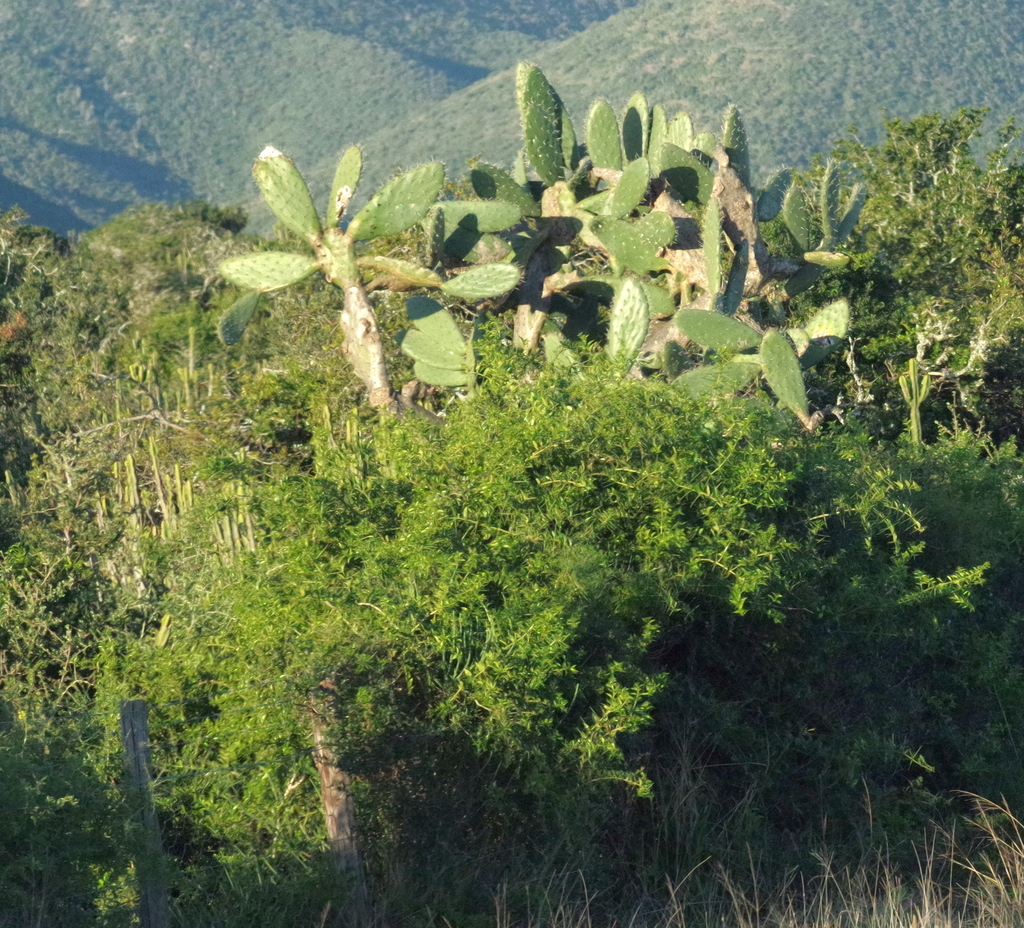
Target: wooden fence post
(339, 805)
(153, 910)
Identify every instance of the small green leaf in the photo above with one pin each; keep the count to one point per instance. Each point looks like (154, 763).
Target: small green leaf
(267, 270)
(236, 317)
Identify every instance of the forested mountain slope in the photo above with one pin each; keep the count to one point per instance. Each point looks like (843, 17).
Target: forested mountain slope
(802, 72)
(105, 103)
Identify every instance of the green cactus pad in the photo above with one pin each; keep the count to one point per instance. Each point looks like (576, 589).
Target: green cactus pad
(656, 229)
(680, 131)
(400, 203)
(829, 205)
(628, 323)
(556, 352)
(734, 141)
(674, 360)
(705, 142)
(797, 218)
(346, 180)
(402, 274)
(434, 321)
(636, 121)
(491, 183)
(717, 379)
(733, 295)
(421, 347)
(626, 245)
(712, 235)
(480, 215)
(854, 204)
(659, 300)
(570, 146)
(595, 204)
(483, 282)
(286, 193)
(267, 270)
(603, 142)
(804, 279)
(832, 321)
(231, 325)
(629, 192)
(541, 115)
(688, 176)
(713, 330)
(782, 371)
(440, 376)
(433, 228)
(769, 203)
(827, 259)
(658, 137)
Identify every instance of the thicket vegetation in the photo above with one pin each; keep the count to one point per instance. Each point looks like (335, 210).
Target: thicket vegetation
(649, 579)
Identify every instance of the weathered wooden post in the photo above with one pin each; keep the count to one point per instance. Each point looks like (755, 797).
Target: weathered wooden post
(153, 910)
(339, 804)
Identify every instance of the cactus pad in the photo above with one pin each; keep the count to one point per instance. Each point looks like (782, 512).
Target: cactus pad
(629, 192)
(769, 203)
(603, 143)
(267, 270)
(541, 113)
(626, 245)
(712, 234)
(491, 183)
(480, 215)
(782, 371)
(713, 330)
(734, 141)
(797, 218)
(400, 203)
(636, 122)
(483, 282)
(286, 193)
(231, 326)
(628, 322)
(346, 180)
(687, 174)
(717, 379)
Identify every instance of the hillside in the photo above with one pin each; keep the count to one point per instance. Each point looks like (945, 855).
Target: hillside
(106, 103)
(802, 72)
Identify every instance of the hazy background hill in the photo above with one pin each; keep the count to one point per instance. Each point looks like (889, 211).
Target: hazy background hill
(106, 103)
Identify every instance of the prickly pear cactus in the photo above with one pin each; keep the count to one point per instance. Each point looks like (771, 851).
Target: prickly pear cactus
(627, 325)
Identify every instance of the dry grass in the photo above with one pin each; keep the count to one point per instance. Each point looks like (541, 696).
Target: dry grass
(973, 880)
